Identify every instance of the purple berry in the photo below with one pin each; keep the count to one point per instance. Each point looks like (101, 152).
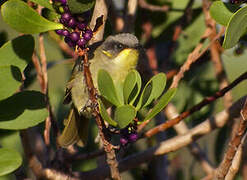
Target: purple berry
(81, 42)
(65, 32)
(59, 31)
(132, 137)
(72, 23)
(74, 36)
(88, 35)
(123, 141)
(62, 21)
(81, 26)
(64, 2)
(66, 9)
(124, 132)
(69, 41)
(66, 17)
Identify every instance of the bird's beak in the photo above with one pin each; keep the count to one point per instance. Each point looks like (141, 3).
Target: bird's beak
(107, 53)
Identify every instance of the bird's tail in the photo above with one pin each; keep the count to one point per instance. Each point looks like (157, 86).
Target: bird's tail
(75, 131)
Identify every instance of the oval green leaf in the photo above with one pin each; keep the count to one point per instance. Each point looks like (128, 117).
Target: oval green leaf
(105, 115)
(124, 115)
(163, 101)
(23, 110)
(132, 87)
(44, 3)
(17, 52)
(24, 19)
(10, 80)
(236, 28)
(107, 88)
(152, 90)
(222, 12)
(10, 160)
(80, 6)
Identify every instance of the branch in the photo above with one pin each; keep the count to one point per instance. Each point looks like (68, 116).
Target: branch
(108, 147)
(233, 146)
(129, 24)
(143, 4)
(195, 108)
(181, 128)
(194, 56)
(216, 54)
(173, 144)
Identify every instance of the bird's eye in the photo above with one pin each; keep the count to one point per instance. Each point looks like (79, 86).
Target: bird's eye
(119, 46)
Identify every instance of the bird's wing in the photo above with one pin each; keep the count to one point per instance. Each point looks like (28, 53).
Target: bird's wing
(75, 131)
(67, 97)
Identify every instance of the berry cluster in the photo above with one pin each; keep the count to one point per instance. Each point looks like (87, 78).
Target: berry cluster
(238, 1)
(76, 31)
(128, 135)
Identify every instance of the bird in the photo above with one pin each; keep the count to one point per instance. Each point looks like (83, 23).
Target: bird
(118, 55)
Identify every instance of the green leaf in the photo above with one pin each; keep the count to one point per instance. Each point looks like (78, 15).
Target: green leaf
(132, 87)
(235, 28)
(163, 101)
(152, 90)
(23, 110)
(107, 88)
(17, 52)
(24, 19)
(124, 115)
(44, 3)
(10, 80)
(10, 160)
(105, 115)
(222, 12)
(80, 6)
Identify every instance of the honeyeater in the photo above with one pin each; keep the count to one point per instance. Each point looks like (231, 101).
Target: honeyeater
(118, 55)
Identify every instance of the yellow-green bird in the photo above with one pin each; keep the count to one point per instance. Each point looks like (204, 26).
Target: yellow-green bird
(118, 55)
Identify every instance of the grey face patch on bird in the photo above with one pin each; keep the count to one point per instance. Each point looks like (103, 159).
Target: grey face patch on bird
(115, 44)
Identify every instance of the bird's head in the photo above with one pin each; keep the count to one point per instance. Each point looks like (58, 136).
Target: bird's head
(122, 49)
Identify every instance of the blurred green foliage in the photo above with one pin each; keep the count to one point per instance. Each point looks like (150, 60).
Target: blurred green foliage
(197, 84)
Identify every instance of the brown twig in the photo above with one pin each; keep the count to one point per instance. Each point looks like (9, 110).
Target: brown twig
(216, 54)
(194, 56)
(170, 145)
(50, 122)
(181, 128)
(135, 160)
(85, 156)
(195, 108)
(108, 147)
(235, 162)
(33, 161)
(130, 16)
(143, 4)
(233, 146)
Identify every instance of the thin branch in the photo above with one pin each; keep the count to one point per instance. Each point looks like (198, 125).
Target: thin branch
(170, 145)
(235, 163)
(143, 4)
(194, 56)
(181, 128)
(132, 161)
(195, 108)
(130, 16)
(108, 147)
(233, 146)
(50, 120)
(32, 159)
(216, 54)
